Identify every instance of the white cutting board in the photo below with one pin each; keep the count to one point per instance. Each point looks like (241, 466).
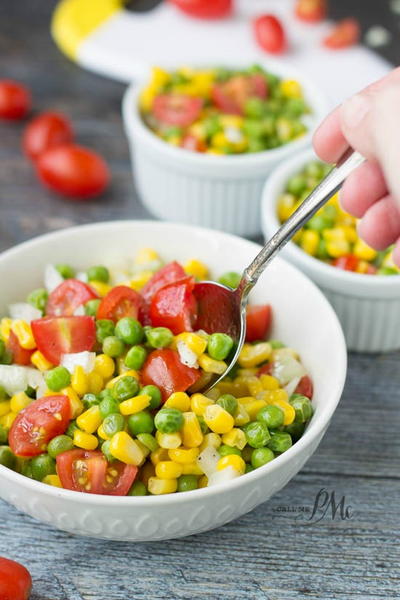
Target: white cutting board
(127, 43)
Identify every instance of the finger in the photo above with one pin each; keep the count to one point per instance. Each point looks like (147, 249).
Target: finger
(362, 188)
(380, 226)
(328, 140)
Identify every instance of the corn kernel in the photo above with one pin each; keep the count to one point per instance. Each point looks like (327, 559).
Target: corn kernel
(40, 361)
(147, 97)
(231, 121)
(146, 472)
(309, 241)
(241, 416)
(350, 233)
(5, 408)
(104, 366)
(95, 383)
(192, 469)
(363, 251)
(252, 355)
(291, 88)
(271, 396)
(169, 440)
(285, 206)
(139, 280)
(246, 373)
(253, 406)
(18, 402)
(254, 385)
(210, 439)
(236, 388)
(196, 343)
(184, 456)
(112, 382)
(23, 331)
(210, 365)
(158, 486)
(52, 480)
(135, 404)
(126, 449)
(178, 400)
(218, 419)
(100, 288)
(146, 256)
(235, 437)
(84, 440)
(269, 383)
(80, 381)
(158, 455)
(192, 435)
(90, 420)
(5, 328)
(203, 481)
(76, 403)
(8, 419)
(101, 433)
(199, 403)
(232, 460)
(196, 268)
(167, 469)
(337, 248)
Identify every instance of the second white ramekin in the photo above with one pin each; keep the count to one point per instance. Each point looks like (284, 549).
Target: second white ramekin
(368, 306)
(221, 192)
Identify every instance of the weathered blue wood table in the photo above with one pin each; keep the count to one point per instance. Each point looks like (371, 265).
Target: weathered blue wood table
(281, 550)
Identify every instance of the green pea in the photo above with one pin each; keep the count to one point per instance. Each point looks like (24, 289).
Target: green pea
(295, 107)
(261, 456)
(168, 420)
(98, 273)
(3, 434)
(112, 346)
(271, 416)
(24, 467)
(137, 489)
(129, 331)
(280, 442)
(228, 402)
(42, 466)
(319, 223)
(248, 469)
(253, 128)
(155, 395)
(284, 129)
(219, 345)
(108, 406)
(295, 430)
(125, 388)
(104, 328)
(225, 450)
(330, 212)
(314, 168)
(91, 307)
(230, 279)
(38, 298)
(148, 440)
(211, 126)
(105, 448)
(106, 393)
(255, 145)
(273, 80)
(141, 422)
(72, 427)
(113, 423)
(58, 378)
(90, 400)
(322, 252)
(203, 425)
(254, 108)
(302, 406)
(159, 337)
(59, 444)
(6, 358)
(172, 132)
(187, 483)
(257, 434)
(296, 185)
(66, 271)
(7, 458)
(276, 344)
(135, 357)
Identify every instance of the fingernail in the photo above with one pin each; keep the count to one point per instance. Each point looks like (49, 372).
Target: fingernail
(354, 110)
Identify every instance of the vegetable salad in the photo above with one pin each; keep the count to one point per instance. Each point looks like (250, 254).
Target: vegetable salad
(224, 111)
(99, 376)
(331, 234)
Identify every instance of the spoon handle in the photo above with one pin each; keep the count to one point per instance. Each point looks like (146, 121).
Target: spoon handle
(318, 197)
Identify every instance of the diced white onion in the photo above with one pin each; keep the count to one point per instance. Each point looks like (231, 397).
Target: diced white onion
(285, 367)
(292, 385)
(83, 359)
(80, 311)
(82, 276)
(207, 460)
(186, 355)
(52, 278)
(15, 379)
(233, 135)
(24, 311)
(223, 476)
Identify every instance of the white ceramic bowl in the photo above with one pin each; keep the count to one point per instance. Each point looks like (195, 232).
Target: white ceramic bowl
(308, 324)
(368, 306)
(222, 192)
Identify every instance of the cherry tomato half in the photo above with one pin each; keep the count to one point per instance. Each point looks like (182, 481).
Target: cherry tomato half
(191, 142)
(15, 100)
(232, 95)
(48, 130)
(38, 423)
(347, 263)
(167, 274)
(15, 580)
(258, 322)
(56, 336)
(177, 109)
(20, 355)
(204, 9)
(67, 297)
(164, 369)
(270, 34)
(88, 471)
(310, 11)
(174, 306)
(344, 34)
(120, 302)
(73, 171)
(305, 387)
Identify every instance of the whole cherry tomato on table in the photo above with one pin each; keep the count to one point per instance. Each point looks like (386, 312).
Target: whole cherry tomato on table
(15, 580)
(204, 9)
(15, 100)
(344, 34)
(311, 11)
(46, 131)
(270, 34)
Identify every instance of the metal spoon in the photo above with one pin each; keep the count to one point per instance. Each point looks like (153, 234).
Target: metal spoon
(222, 309)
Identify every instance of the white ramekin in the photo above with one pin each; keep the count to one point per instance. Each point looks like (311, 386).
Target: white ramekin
(313, 329)
(368, 306)
(222, 192)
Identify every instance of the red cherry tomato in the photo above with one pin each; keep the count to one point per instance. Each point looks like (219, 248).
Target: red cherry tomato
(347, 263)
(21, 356)
(167, 274)
(174, 306)
(270, 34)
(204, 9)
(73, 171)
(265, 370)
(192, 143)
(15, 100)
(344, 34)
(15, 580)
(164, 369)
(46, 131)
(371, 270)
(311, 11)
(120, 302)
(177, 109)
(88, 471)
(56, 336)
(67, 297)
(305, 387)
(258, 322)
(38, 423)
(232, 95)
